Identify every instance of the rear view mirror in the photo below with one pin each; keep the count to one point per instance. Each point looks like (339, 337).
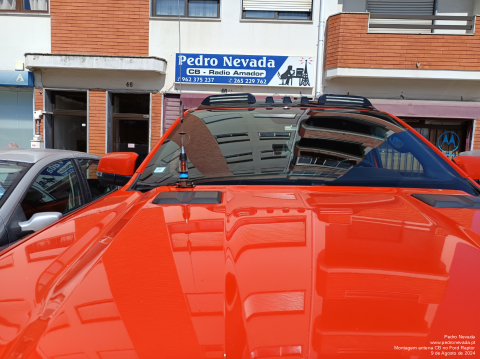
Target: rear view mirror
(470, 165)
(39, 221)
(116, 168)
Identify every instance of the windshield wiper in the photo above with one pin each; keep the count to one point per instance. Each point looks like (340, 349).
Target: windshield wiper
(258, 180)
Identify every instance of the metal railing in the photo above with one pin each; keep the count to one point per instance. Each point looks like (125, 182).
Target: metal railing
(404, 163)
(469, 22)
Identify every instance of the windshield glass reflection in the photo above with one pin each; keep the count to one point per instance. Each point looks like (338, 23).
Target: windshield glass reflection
(305, 147)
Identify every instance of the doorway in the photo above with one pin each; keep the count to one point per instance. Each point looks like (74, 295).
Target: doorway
(450, 136)
(131, 123)
(69, 120)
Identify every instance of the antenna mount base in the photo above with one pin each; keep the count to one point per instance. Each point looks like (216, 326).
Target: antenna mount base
(185, 183)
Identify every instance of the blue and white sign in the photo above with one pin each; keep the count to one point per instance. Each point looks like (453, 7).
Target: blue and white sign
(255, 70)
(16, 78)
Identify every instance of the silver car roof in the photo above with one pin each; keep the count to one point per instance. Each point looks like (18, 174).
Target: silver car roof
(34, 155)
(470, 153)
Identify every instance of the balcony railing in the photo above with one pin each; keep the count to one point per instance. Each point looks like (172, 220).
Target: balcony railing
(422, 23)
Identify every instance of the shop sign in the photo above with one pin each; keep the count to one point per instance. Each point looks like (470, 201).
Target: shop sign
(16, 78)
(253, 70)
(448, 142)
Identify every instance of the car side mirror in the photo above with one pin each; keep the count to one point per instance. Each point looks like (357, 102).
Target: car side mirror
(39, 221)
(116, 168)
(470, 165)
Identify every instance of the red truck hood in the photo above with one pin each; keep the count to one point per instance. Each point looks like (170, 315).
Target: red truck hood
(269, 273)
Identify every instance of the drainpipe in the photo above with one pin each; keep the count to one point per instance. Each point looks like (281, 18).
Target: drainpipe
(320, 49)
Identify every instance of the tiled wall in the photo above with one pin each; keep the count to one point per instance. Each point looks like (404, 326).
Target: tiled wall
(97, 122)
(156, 119)
(349, 45)
(108, 27)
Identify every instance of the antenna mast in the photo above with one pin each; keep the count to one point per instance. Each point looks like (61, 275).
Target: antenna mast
(183, 182)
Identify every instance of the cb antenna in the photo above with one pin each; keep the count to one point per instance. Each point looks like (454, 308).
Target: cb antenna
(183, 181)
(180, 57)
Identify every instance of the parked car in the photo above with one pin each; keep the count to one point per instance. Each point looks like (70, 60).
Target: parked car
(38, 187)
(258, 230)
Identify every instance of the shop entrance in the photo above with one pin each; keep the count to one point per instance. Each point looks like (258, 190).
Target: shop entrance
(16, 116)
(449, 136)
(69, 120)
(131, 123)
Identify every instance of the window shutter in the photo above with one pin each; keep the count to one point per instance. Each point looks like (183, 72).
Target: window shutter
(406, 7)
(171, 110)
(401, 7)
(278, 5)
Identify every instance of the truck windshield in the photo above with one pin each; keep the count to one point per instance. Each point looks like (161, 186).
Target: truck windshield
(300, 147)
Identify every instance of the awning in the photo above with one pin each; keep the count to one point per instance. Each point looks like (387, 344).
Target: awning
(435, 109)
(16, 78)
(102, 72)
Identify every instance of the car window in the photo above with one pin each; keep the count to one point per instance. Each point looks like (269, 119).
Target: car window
(56, 189)
(89, 168)
(313, 147)
(10, 175)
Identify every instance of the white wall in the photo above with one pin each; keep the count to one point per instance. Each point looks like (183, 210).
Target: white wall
(21, 34)
(231, 35)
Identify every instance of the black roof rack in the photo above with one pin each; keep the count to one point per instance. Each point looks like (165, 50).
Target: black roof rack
(237, 98)
(344, 100)
(249, 100)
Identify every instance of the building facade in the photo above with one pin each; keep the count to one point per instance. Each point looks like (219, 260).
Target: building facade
(107, 76)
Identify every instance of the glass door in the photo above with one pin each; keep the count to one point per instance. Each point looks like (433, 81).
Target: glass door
(69, 122)
(131, 123)
(131, 135)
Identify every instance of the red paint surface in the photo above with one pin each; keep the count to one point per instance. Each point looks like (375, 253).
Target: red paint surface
(120, 163)
(469, 164)
(308, 272)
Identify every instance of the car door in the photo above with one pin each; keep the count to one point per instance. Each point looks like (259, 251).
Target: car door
(56, 188)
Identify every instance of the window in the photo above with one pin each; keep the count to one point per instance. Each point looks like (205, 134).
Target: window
(56, 189)
(10, 174)
(89, 168)
(403, 8)
(285, 10)
(189, 8)
(323, 149)
(417, 7)
(24, 5)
